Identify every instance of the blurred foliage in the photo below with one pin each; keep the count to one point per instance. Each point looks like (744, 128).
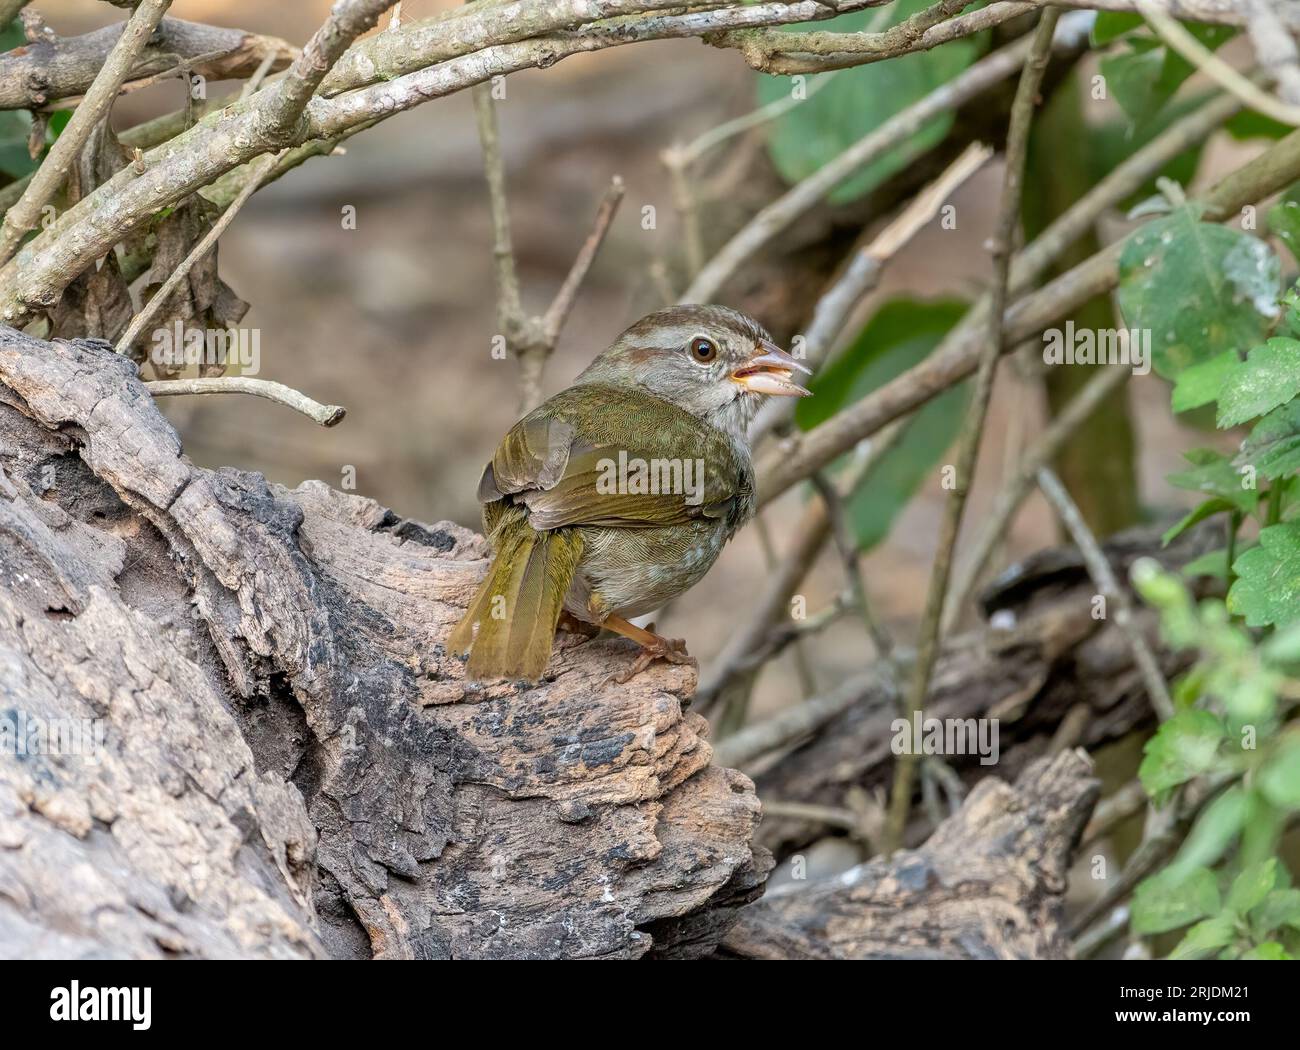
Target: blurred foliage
(16, 125)
(859, 100)
(899, 335)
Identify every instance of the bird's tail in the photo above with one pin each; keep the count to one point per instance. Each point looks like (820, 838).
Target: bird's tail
(519, 602)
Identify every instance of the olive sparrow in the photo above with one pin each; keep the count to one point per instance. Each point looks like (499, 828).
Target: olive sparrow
(617, 494)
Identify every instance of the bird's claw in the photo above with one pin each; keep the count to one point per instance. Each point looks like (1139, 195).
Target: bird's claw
(671, 649)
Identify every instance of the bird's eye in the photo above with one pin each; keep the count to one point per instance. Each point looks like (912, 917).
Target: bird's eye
(703, 350)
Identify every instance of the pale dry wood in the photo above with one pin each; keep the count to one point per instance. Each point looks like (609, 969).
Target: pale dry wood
(988, 884)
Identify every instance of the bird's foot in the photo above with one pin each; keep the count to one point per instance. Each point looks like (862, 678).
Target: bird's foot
(653, 647)
(579, 631)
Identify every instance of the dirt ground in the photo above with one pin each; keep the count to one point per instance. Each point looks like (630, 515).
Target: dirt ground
(394, 319)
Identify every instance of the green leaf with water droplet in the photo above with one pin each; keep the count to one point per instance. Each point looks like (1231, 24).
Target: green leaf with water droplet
(1199, 288)
(1270, 376)
(1273, 447)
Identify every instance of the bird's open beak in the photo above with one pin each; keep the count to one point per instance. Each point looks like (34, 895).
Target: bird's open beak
(771, 371)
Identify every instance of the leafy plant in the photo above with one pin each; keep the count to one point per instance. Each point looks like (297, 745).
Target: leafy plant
(1226, 883)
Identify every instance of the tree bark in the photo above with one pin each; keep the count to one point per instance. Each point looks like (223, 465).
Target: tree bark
(291, 764)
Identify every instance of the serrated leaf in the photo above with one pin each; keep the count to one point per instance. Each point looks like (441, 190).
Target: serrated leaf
(1171, 899)
(1269, 377)
(1267, 589)
(1201, 383)
(1279, 780)
(1273, 447)
(899, 335)
(859, 100)
(1213, 474)
(1251, 886)
(1200, 288)
(1183, 747)
(1205, 937)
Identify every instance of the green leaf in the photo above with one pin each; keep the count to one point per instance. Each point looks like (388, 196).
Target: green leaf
(1284, 219)
(1279, 780)
(1183, 747)
(1270, 376)
(1268, 950)
(1219, 823)
(15, 127)
(899, 335)
(1171, 899)
(1145, 75)
(858, 101)
(1211, 563)
(1201, 383)
(1200, 288)
(1252, 886)
(1273, 447)
(1279, 908)
(1205, 937)
(1213, 474)
(1251, 124)
(1111, 25)
(1267, 590)
(1207, 509)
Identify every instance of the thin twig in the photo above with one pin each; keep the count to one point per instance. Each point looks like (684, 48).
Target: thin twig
(772, 220)
(325, 415)
(1180, 40)
(811, 533)
(47, 179)
(863, 273)
(204, 245)
(1116, 598)
(957, 355)
(994, 524)
(1022, 111)
(558, 312)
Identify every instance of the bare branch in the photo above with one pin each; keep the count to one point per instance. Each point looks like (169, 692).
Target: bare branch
(1180, 40)
(994, 525)
(558, 312)
(1100, 571)
(1022, 112)
(52, 70)
(1275, 48)
(864, 270)
(956, 356)
(785, 210)
(325, 415)
(24, 215)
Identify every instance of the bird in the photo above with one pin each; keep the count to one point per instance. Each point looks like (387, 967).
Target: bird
(618, 493)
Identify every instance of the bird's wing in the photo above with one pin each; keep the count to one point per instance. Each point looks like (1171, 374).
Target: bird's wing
(570, 469)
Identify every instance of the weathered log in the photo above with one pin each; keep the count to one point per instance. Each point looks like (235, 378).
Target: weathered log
(988, 884)
(291, 764)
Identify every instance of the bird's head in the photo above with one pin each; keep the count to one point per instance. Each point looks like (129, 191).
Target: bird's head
(713, 362)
